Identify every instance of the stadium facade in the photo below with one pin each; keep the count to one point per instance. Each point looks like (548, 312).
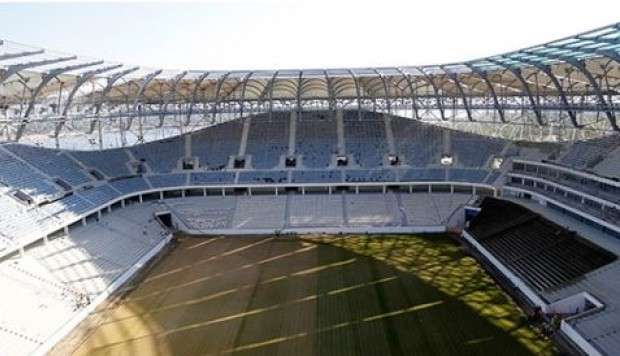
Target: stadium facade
(366, 150)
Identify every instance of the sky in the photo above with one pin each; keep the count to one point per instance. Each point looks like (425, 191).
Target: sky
(237, 34)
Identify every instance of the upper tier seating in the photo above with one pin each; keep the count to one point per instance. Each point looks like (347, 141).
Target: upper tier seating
(268, 140)
(472, 150)
(420, 144)
(365, 139)
(317, 139)
(112, 163)
(52, 162)
(161, 156)
(214, 145)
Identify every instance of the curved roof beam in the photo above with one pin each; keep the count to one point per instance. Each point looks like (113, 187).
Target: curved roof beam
(243, 89)
(485, 77)
(300, 83)
(6, 56)
(136, 101)
(110, 85)
(268, 89)
(547, 70)
(455, 78)
(15, 68)
(517, 73)
(431, 82)
(358, 91)
(218, 87)
(580, 65)
(170, 96)
(597, 90)
(385, 90)
(412, 92)
(330, 90)
(198, 81)
(47, 77)
(81, 80)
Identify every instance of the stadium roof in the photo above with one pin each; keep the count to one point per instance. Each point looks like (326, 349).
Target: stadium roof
(574, 79)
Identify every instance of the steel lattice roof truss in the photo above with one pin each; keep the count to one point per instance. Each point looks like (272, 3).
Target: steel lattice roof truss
(572, 82)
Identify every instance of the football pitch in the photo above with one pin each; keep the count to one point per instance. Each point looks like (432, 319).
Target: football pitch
(317, 295)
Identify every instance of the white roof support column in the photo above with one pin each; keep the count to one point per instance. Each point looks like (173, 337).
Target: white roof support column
(414, 104)
(198, 81)
(386, 91)
(218, 87)
(171, 95)
(81, 80)
(136, 101)
(46, 78)
(243, 88)
(359, 95)
(300, 85)
(438, 98)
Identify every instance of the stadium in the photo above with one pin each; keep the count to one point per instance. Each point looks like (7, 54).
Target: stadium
(462, 208)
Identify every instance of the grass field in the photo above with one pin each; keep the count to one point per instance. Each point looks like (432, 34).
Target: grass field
(382, 295)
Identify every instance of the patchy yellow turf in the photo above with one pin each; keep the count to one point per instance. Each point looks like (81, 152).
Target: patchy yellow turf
(381, 295)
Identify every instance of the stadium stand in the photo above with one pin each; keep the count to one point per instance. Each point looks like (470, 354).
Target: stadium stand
(167, 180)
(161, 156)
(371, 209)
(423, 175)
(467, 175)
(112, 162)
(315, 210)
(587, 154)
(365, 139)
(541, 253)
(368, 175)
(317, 176)
(130, 185)
(259, 212)
(316, 139)
(473, 150)
(420, 144)
(212, 178)
(52, 162)
(214, 145)
(263, 177)
(100, 195)
(16, 174)
(268, 139)
(55, 280)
